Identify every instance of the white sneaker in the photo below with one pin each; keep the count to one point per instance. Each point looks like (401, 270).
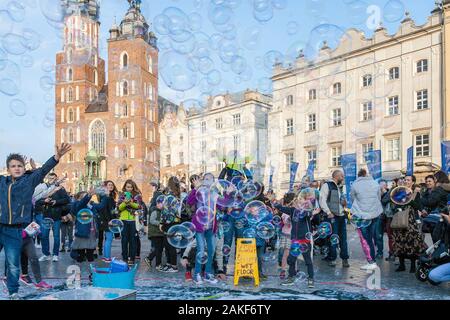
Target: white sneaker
(369, 266)
(210, 278)
(45, 258)
(55, 259)
(198, 279)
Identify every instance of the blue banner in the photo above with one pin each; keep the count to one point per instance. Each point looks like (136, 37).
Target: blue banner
(349, 165)
(445, 154)
(410, 162)
(293, 171)
(310, 170)
(272, 170)
(373, 160)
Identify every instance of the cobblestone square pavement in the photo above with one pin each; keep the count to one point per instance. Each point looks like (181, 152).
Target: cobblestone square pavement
(331, 283)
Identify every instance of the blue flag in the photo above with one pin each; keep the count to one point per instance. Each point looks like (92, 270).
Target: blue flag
(410, 162)
(293, 172)
(373, 160)
(310, 170)
(445, 154)
(349, 165)
(272, 169)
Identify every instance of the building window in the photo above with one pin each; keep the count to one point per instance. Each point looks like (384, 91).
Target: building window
(98, 137)
(367, 80)
(150, 63)
(71, 158)
(393, 149)
(337, 117)
(422, 66)
(69, 56)
(181, 155)
(422, 100)
(69, 94)
(312, 122)
(70, 74)
(124, 153)
(289, 127)
(71, 136)
(219, 123)
(124, 110)
(312, 94)
(367, 109)
(422, 145)
(336, 153)
(95, 77)
(237, 119)
(236, 142)
(289, 159)
(124, 60)
(393, 106)
(203, 126)
(394, 73)
(365, 147)
(125, 88)
(181, 139)
(125, 132)
(290, 100)
(70, 115)
(63, 138)
(312, 156)
(203, 147)
(337, 88)
(132, 152)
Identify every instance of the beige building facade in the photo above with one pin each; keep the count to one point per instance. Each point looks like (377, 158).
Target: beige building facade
(384, 93)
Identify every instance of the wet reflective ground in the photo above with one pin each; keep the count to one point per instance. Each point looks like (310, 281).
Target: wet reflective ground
(331, 283)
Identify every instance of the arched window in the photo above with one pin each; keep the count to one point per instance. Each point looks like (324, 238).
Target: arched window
(63, 135)
(124, 153)
(69, 56)
(116, 133)
(70, 94)
(70, 115)
(124, 131)
(132, 130)
(71, 136)
(116, 152)
(70, 74)
(124, 60)
(132, 152)
(125, 88)
(98, 137)
(124, 110)
(96, 77)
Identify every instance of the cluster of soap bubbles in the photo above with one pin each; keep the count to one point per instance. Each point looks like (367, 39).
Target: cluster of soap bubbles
(171, 208)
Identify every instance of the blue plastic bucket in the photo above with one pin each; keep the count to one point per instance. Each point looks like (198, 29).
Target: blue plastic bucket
(104, 278)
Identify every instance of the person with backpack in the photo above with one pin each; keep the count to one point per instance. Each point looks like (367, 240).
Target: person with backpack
(105, 236)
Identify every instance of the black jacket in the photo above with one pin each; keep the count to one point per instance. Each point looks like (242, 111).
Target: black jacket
(105, 214)
(55, 211)
(435, 199)
(300, 225)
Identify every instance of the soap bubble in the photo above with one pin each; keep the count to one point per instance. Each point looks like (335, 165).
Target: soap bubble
(249, 233)
(393, 11)
(204, 216)
(334, 239)
(226, 226)
(250, 189)
(359, 222)
(27, 61)
(255, 211)
(276, 220)
(190, 226)
(225, 191)
(6, 23)
(265, 230)
(16, 11)
(179, 236)
(115, 226)
(201, 257)
(18, 107)
(324, 230)
(226, 250)
(13, 44)
(175, 71)
(85, 216)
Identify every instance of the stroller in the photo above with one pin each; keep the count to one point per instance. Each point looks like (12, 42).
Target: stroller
(435, 255)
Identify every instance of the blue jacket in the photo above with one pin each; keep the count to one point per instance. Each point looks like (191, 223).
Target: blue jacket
(16, 194)
(84, 230)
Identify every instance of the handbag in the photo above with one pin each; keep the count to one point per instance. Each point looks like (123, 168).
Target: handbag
(400, 220)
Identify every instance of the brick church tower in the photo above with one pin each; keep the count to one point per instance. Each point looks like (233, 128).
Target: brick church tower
(112, 127)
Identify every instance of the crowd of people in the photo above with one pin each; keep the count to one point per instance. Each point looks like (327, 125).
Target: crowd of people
(309, 222)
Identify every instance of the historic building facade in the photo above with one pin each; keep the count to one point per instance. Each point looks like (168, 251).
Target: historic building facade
(112, 126)
(231, 127)
(383, 93)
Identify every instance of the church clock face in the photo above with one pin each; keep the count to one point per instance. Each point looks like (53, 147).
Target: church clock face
(218, 102)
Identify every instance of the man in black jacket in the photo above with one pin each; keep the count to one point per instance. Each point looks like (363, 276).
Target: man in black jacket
(54, 207)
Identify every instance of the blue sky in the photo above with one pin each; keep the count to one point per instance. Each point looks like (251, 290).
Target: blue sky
(252, 34)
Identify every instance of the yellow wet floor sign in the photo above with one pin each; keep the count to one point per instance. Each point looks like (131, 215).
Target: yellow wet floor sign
(246, 263)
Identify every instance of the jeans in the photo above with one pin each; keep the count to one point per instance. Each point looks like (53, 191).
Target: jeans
(67, 232)
(368, 239)
(11, 240)
(207, 235)
(29, 253)
(129, 240)
(108, 244)
(38, 217)
(379, 236)
(260, 253)
(339, 226)
(158, 247)
(440, 274)
(56, 239)
(292, 261)
(232, 233)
